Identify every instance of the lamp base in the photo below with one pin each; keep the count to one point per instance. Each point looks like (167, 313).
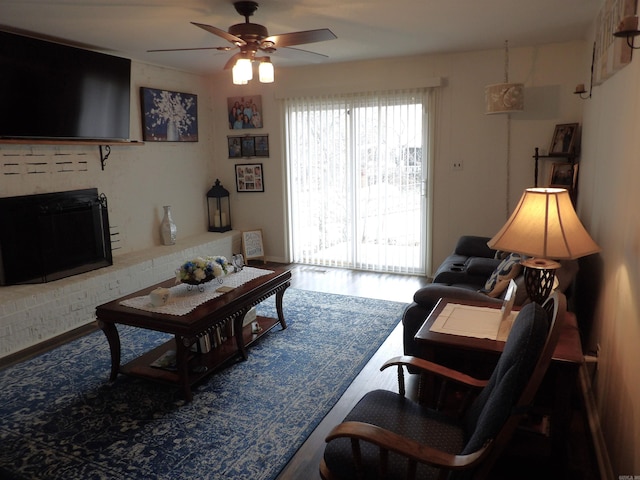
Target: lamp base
(539, 276)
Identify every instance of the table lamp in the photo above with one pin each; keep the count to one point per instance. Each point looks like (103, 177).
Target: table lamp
(544, 227)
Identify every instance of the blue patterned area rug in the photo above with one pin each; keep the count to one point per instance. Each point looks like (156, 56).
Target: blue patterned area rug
(60, 419)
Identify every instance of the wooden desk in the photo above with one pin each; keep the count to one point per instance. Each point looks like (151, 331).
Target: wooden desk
(228, 309)
(559, 382)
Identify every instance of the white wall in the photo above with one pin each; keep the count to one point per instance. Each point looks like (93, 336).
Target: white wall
(608, 205)
(138, 180)
(469, 201)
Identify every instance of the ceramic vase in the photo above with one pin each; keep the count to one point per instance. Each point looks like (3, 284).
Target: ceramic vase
(168, 229)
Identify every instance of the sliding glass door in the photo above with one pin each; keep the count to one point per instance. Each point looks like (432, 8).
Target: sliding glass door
(357, 177)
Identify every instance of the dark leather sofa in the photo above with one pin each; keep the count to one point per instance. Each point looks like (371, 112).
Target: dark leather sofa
(462, 274)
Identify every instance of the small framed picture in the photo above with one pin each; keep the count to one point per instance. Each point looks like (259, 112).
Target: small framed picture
(248, 146)
(249, 177)
(235, 147)
(262, 145)
(564, 175)
(564, 139)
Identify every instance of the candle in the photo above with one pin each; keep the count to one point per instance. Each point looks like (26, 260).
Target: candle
(628, 24)
(580, 88)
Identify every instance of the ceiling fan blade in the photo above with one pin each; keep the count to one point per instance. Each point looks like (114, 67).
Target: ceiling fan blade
(232, 61)
(221, 33)
(223, 49)
(300, 38)
(297, 53)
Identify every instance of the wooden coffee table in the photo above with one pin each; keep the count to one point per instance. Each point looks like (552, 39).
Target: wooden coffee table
(228, 309)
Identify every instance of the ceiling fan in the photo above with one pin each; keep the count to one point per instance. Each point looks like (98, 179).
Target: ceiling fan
(252, 38)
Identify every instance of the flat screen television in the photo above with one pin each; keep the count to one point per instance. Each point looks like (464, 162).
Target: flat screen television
(54, 91)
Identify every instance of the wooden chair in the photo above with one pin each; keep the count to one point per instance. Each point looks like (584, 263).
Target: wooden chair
(387, 435)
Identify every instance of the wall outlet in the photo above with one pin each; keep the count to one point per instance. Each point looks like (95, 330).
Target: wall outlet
(456, 165)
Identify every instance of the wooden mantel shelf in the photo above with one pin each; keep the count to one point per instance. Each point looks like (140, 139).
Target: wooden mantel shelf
(45, 141)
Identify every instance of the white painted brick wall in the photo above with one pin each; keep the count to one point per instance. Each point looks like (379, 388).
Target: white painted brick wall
(30, 314)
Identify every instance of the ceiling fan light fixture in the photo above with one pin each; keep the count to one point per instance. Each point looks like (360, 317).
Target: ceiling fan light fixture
(237, 76)
(242, 71)
(265, 71)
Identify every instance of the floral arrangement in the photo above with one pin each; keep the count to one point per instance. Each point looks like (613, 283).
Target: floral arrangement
(172, 107)
(202, 269)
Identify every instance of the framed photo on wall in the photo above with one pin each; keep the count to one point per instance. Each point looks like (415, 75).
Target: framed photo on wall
(249, 177)
(244, 112)
(248, 146)
(235, 147)
(168, 116)
(262, 145)
(564, 139)
(564, 175)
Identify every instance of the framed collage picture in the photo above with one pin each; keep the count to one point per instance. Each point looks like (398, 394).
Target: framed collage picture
(249, 177)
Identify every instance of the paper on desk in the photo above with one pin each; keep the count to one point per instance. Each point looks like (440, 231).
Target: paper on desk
(472, 321)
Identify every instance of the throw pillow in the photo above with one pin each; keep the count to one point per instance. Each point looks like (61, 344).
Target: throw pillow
(508, 269)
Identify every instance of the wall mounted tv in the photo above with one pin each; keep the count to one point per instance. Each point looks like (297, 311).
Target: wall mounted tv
(53, 91)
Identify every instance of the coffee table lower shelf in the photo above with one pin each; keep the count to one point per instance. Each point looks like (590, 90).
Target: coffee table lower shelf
(213, 360)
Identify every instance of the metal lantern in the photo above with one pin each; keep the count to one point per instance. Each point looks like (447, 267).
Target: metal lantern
(218, 208)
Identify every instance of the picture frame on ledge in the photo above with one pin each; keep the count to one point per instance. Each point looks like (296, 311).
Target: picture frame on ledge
(249, 177)
(168, 116)
(564, 175)
(564, 139)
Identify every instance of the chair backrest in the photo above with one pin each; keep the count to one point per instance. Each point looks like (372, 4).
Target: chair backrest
(496, 412)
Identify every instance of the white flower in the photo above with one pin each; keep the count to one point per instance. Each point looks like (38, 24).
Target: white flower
(217, 270)
(199, 274)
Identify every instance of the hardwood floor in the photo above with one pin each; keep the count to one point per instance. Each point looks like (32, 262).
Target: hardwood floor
(527, 459)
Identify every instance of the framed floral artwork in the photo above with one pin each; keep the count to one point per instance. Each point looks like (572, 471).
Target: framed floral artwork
(249, 177)
(244, 112)
(168, 116)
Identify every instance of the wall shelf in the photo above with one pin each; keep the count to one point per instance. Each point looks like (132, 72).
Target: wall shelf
(569, 157)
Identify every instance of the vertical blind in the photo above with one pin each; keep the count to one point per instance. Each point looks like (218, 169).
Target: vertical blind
(356, 167)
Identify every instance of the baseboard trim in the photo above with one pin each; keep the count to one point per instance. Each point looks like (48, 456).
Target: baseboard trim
(599, 444)
(46, 345)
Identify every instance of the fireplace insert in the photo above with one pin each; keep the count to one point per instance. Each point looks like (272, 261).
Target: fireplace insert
(50, 236)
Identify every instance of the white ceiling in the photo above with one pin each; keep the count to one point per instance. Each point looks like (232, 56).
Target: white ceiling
(366, 29)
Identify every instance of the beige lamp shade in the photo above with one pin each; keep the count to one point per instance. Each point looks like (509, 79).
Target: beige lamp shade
(545, 225)
(504, 98)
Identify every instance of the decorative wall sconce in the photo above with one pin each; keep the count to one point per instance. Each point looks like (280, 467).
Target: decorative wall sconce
(580, 89)
(628, 28)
